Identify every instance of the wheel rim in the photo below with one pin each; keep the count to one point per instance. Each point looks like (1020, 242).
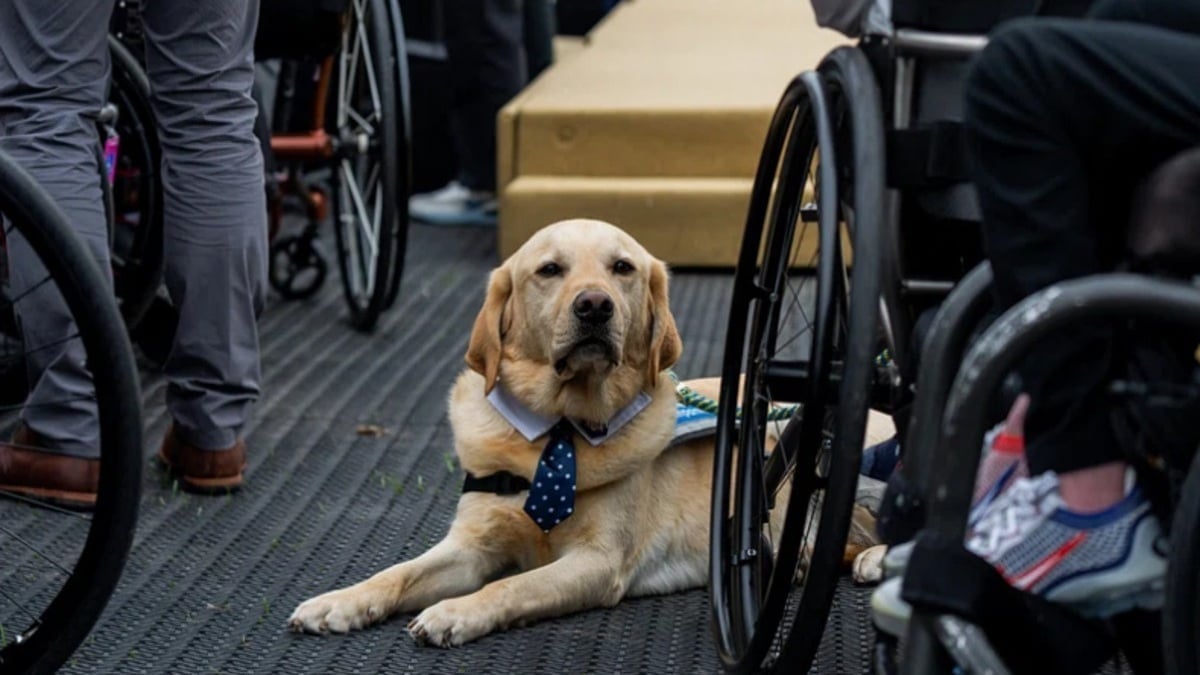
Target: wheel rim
(60, 565)
(788, 360)
(360, 120)
(137, 255)
(758, 625)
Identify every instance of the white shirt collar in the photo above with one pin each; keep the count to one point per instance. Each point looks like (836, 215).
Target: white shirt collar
(532, 425)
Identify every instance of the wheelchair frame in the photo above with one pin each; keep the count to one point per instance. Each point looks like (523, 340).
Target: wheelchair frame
(371, 256)
(875, 215)
(372, 236)
(934, 633)
(929, 441)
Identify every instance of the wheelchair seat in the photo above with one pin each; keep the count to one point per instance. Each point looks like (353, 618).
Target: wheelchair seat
(1165, 216)
(298, 29)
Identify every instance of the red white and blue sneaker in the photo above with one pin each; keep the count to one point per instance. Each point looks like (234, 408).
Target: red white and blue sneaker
(1100, 564)
(1002, 465)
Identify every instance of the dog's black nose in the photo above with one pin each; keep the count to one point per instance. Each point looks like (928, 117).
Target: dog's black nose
(593, 307)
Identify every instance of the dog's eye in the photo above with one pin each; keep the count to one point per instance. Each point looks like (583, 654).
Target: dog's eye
(622, 267)
(549, 270)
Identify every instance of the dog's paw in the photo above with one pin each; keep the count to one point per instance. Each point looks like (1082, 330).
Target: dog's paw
(338, 611)
(868, 565)
(449, 623)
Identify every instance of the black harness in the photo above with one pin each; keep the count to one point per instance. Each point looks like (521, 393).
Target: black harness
(500, 483)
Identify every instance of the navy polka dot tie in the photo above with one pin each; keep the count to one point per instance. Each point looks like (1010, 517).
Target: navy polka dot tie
(552, 494)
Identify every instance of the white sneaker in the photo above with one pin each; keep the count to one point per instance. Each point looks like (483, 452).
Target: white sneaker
(455, 205)
(889, 612)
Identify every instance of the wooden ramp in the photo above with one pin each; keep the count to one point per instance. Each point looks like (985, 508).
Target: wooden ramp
(656, 123)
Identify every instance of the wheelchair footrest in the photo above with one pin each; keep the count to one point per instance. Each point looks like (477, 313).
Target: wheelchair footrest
(1029, 633)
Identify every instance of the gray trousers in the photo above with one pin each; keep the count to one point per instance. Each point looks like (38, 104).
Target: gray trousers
(54, 74)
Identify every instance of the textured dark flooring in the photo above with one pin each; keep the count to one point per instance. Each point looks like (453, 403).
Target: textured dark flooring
(211, 580)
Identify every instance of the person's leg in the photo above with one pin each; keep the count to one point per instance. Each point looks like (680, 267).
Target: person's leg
(1170, 14)
(54, 72)
(487, 68)
(1063, 118)
(199, 57)
(538, 29)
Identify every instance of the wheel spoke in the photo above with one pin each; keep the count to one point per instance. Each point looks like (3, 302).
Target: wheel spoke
(368, 67)
(360, 228)
(28, 291)
(53, 343)
(364, 126)
(24, 542)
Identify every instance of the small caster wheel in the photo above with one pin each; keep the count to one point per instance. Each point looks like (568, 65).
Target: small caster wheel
(297, 268)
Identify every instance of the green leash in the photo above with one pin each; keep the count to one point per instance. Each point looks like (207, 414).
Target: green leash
(688, 396)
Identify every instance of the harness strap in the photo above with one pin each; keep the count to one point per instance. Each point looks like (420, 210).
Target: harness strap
(500, 483)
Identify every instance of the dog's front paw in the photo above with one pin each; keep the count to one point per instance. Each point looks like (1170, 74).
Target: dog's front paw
(868, 565)
(338, 611)
(449, 623)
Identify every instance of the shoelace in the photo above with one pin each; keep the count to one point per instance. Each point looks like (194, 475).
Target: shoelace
(1012, 515)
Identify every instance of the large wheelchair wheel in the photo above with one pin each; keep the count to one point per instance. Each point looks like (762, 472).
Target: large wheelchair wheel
(404, 149)
(783, 492)
(60, 566)
(137, 232)
(365, 169)
(1181, 614)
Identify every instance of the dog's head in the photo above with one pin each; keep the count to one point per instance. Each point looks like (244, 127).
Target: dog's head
(576, 321)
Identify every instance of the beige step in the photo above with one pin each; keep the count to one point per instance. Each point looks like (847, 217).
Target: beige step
(657, 120)
(685, 221)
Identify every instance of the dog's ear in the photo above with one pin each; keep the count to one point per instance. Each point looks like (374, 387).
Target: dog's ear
(483, 352)
(665, 345)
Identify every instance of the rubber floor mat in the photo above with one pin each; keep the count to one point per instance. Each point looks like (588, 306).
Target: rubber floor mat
(351, 470)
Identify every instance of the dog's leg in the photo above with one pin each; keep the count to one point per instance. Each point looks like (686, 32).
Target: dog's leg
(579, 580)
(452, 567)
(868, 565)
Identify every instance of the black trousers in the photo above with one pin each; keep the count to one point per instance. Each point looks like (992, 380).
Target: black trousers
(485, 42)
(1064, 118)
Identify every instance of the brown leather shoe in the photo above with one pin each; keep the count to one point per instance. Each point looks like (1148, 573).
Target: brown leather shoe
(204, 471)
(47, 476)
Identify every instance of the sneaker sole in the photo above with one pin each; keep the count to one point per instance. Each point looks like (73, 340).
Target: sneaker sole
(889, 613)
(1144, 586)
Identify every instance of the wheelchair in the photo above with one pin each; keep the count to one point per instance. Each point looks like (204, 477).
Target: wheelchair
(60, 566)
(134, 190)
(860, 224)
(347, 58)
(963, 615)
(340, 133)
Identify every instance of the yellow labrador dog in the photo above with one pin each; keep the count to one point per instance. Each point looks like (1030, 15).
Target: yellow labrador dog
(575, 334)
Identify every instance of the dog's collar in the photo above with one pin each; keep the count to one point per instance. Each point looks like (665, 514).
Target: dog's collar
(531, 425)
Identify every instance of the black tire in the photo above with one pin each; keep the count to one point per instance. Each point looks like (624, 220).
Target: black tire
(365, 170)
(137, 251)
(63, 616)
(763, 619)
(404, 149)
(297, 268)
(1181, 613)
